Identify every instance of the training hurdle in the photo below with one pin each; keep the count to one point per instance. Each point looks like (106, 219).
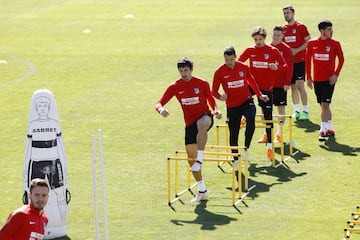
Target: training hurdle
(211, 157)
(94, 161)
(351, 224)
(260, 124)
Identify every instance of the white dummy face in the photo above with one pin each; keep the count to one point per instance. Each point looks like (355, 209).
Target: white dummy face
(230, 61)
(39, 197)
(185, 73)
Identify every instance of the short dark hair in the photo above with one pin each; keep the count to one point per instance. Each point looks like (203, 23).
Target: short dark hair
(323, 24)
(278, 28)
(229, 51)
(38, 182)
(185, 62)
(259, 31)
(289, 7)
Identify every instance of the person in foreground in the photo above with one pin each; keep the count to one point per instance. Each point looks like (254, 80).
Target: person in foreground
(29, 221)
(322, 53)
(194, 96)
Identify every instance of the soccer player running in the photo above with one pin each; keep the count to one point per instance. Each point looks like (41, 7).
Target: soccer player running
(265, 62)
(282, 80)
(235, 79)
(322, 53)
(194, 96)
(296, 36)
(29, 221)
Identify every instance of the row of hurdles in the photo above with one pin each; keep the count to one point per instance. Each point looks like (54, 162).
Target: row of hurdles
(221, 153)
(353, 224)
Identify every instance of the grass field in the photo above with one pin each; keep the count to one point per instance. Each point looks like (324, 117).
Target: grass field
(111, 77)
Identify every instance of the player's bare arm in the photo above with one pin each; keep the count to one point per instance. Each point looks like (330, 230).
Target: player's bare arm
(333, 79)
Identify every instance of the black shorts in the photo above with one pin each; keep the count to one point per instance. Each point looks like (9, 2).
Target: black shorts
(267, 104)
(323, 91)
(192, 131)
(299, 72)
(247, 109)
(279, 96)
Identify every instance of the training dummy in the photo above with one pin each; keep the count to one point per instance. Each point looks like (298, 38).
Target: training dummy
(45, 158)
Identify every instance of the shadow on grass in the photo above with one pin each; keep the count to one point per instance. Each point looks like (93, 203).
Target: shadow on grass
(282, 174)
(297, 154)
(333, 146)
(205, 218)
(308, 125)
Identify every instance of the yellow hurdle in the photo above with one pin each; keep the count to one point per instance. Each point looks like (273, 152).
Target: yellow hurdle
(217, 157)
(351, 225)
(260, 124)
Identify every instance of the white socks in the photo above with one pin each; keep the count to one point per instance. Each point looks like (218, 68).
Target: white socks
(201, 186)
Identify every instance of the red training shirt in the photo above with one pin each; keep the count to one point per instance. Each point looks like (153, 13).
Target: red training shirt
(24, 223)
(235, 82)
(294, 36)
(260, 57)
(282, 78)
(193, 96)
(323, 53)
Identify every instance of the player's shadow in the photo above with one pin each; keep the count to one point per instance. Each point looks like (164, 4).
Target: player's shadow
(206, 219)
(333, 146)
(308, 125)
(259, 187)
(283, 174)
(297, 155)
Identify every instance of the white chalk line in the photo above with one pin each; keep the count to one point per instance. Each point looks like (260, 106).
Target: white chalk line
(31, 67)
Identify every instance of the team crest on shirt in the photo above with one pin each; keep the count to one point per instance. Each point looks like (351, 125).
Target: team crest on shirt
(327, 48)
(294, 30)
(196, 90)
(241, 73)
(266, 55)
(282, 53)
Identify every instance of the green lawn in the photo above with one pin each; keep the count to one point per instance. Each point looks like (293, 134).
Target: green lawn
(111, 77)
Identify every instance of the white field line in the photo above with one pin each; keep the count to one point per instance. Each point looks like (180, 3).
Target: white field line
(31, 67)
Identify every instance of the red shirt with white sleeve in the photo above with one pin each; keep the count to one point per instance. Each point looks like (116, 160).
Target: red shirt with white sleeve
(260, 58)
(25, 223)
(282, 78)
(294, 36)
(194, 97)
(235, 82)
(323, 54)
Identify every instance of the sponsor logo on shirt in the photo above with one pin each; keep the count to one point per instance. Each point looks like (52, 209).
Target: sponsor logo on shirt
(32, 223)
(196, 90)
(321, 57)
(327, 48)
(190, 101)
(259, 64)
(36, 236)
(290, 39)
(181, 92)
(241, 73)
(226, 76)
(236, 84)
